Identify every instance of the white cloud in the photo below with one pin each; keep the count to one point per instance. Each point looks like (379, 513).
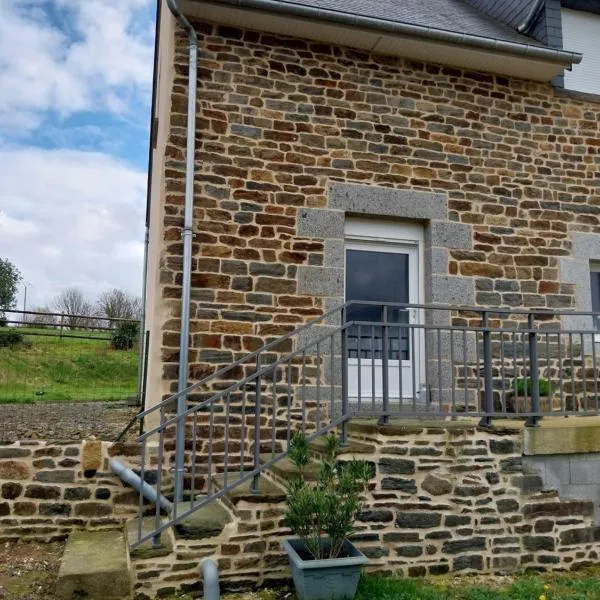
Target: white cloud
(71, 218)
(68, 56)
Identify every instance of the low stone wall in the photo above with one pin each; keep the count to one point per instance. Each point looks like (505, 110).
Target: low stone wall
(445, 498)
(458, 498)
(48, 489)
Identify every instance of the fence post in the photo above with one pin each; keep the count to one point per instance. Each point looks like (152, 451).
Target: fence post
(385, 374)
(344, 353)
(257, 411)
(488, 382)
(533, 420)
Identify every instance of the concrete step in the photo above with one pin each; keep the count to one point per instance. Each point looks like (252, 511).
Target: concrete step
(268, 490)
(286, 470)
(205, 522)
(95, 566)
(147, 549)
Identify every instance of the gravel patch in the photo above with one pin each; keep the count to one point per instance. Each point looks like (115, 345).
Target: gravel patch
(65, 421)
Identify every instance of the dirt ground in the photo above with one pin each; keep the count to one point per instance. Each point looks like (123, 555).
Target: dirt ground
(28, 570)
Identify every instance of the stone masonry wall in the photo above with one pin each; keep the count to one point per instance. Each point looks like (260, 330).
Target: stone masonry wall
(48, 489)
(446, 498)
(510, 165)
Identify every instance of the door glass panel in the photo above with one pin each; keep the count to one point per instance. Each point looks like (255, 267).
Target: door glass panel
(377, 277)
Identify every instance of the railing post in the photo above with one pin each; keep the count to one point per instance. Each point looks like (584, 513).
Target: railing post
(257, 412)
(488, 382)
(533, 420)
(344, 353)
(385, 374)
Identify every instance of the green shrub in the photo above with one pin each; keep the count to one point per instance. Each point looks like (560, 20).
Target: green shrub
(125, 335)
(10, 338)
(331, 505)
(3, 320)
(523, 386)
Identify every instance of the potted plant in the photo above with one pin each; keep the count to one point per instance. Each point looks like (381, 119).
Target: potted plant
(520, 395)
(322, 514)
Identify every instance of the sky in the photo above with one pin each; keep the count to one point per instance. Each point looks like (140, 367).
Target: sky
(75, 94)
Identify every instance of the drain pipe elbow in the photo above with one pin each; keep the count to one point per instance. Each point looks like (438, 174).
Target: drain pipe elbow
(131, 478)
(210, 579)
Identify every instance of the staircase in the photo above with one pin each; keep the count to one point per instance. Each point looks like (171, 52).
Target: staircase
(223, 459)
(242, 528)
(445, 497)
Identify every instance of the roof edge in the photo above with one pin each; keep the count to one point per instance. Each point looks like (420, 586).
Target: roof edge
(552, 55)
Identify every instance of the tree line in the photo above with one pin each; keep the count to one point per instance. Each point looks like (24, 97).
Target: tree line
(72, 304)
(77, 311)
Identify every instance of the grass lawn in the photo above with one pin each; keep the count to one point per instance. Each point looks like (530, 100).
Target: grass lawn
(578, 585)
(49, 368)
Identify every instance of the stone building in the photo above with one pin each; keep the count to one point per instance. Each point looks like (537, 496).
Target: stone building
(412, 154)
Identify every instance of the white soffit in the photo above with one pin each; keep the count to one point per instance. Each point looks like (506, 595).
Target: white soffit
(395, 45)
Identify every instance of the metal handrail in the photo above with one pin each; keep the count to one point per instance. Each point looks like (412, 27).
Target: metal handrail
(259, 373)
(244, 359)
(475, 363)
(407, 306)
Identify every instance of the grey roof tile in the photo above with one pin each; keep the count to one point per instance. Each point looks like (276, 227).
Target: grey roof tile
(448, 15)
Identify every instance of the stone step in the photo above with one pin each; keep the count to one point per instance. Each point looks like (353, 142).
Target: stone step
(205, 522)
(362, 428)
(353, 446)
(147, 549)
(286, 470)
(268, 490)
(95, 566)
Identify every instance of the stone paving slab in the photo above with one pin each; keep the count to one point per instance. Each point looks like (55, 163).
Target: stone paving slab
(95, 566)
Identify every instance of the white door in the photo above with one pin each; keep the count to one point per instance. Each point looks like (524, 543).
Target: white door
(382, 264)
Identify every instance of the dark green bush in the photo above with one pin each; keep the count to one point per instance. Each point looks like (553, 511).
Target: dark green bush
(522, 384)
(126, 335)
(3, 321)
(10, 337)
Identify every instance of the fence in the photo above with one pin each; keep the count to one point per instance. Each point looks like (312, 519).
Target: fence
(59, 373)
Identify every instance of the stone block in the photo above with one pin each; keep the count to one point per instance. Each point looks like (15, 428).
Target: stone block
(13, 452)
(574, 437)
(396, 466)
(42, 492)
(14, 469)
(436, 261)
(418, 520)
(452, 290)
(467, 545)
(57, 476)
(436, 486)
(146, 549)
(11, 490)
(95, 565)
(383, 201)
(471, 561)
(333, 254)
(397, 483)
(448, 234)
(320, 281)
(320, 223)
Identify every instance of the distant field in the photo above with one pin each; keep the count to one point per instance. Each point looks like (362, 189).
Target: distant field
(49, 367)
